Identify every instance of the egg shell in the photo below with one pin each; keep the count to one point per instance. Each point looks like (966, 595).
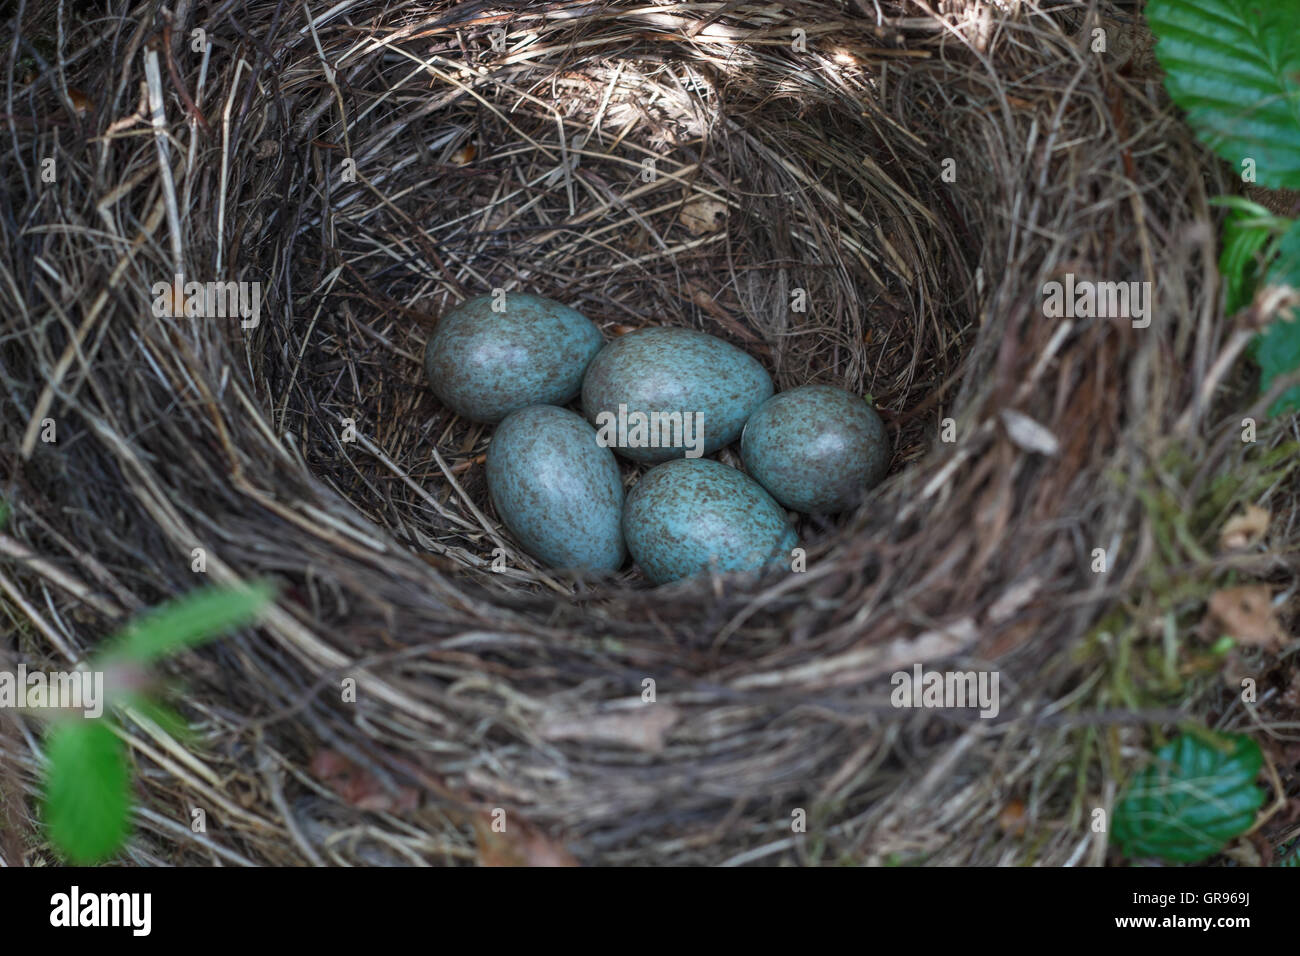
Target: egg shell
(484, 364)
(556, 489)
(674, 370)
(816, 448)
(690, 514)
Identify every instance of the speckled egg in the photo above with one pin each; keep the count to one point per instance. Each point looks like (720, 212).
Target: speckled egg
(691, 514)
(494, 354)
(653, 378)
(556, 489)
(816, 448)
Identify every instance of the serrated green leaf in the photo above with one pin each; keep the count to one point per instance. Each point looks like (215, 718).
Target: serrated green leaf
(1234, 67)
(188, 621)
(87, 791)
(1277, 348)
(1191, 801)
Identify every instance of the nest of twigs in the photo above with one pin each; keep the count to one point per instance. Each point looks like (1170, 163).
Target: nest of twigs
(866, 194)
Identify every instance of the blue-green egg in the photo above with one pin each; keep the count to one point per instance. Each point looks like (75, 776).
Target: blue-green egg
(494, 354)
(816, 448)
(557, 490)
(692, 514)
(668, 392)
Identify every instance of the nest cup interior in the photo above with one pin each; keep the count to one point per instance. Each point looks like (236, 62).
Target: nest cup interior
(636, 178)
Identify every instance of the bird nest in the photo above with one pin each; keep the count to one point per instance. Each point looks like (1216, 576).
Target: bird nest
(872, 195)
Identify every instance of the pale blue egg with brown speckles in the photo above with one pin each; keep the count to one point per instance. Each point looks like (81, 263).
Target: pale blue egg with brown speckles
(693, 514)
(670, 392)
(557, 490)
(494, 354)
(816, 448)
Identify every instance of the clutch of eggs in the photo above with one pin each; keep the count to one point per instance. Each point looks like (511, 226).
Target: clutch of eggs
(659, 396)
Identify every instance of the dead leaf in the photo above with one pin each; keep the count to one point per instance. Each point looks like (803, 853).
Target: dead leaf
(1247, 614)
(506, 840)
(703, 215)
(642, 728)
(327, 764)
(464, 155)
(356, 786)
(1245, 530)
(80, 101)
(1027, 434)
(1012, 818)
(1013, 599)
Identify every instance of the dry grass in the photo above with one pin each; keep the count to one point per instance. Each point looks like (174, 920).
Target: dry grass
(528, 167)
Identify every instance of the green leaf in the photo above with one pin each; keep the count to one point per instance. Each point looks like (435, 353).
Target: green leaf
(1191, 801)
(188, 621)
(1247, 207)
(1242, 242)
(1289, 859)
(167, 719)
(1277, 348)
(87, 791)
(1234, 66)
